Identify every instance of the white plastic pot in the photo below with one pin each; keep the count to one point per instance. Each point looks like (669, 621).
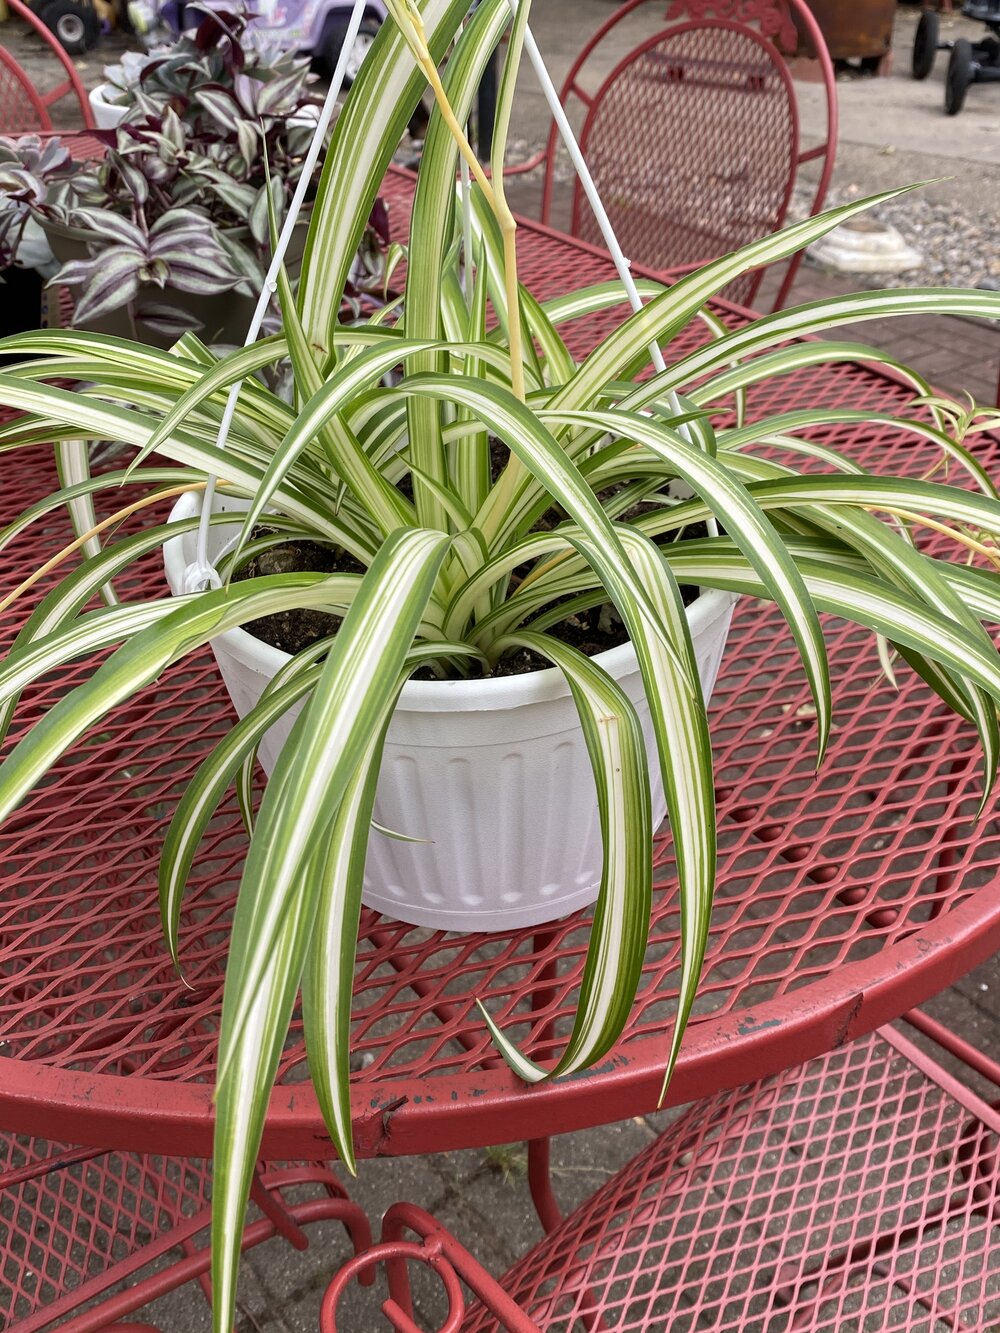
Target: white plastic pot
(106, 114)
(494, 772)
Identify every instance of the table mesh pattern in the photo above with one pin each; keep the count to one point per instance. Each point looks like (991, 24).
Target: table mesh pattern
(814, 873)
(692, 146)
(853, 1194)
(68, 1217)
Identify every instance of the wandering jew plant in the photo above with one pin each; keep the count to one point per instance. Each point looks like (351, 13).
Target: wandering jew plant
(386, 455)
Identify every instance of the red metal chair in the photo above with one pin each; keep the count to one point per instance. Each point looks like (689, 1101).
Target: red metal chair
(693, 137)
(78, 1228)
(860, 1191)
(23, 108)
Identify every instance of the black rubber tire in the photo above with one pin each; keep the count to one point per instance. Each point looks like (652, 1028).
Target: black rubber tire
(74, 23)
(333, 39)
(958, 78)
(925, 44)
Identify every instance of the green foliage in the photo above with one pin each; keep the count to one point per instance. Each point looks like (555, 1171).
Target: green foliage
(386, 454)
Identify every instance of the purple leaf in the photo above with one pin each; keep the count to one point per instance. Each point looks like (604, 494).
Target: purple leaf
(114, 284)
(110, 226)
(167, 320)
(221, 106)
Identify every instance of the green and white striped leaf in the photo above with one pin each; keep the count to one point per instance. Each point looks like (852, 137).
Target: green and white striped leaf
(329, 977)
(361, 147)
(812, 318)
(680, 725)
(431, 232)
(75, 590)
(533, 445)
(314, 767)
(162, 633)
(242, 1098)
(732, 505)
(621, 918)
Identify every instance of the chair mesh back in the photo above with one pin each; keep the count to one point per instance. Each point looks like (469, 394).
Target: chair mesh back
(692, 143)
(19, 111)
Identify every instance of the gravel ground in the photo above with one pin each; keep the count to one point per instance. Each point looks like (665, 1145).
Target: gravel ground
(958, 243)
(958, 249)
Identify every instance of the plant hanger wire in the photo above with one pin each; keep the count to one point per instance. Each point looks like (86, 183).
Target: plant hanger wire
(201, 573)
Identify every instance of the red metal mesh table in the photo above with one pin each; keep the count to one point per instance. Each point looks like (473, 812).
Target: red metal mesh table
(842, 900)
(856, 1192)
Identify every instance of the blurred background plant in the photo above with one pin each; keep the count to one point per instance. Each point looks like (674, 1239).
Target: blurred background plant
(178, 203)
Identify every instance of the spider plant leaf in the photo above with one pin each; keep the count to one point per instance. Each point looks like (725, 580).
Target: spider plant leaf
(162, 632)
(813, 318)
(74, 591)
(718, 328)
(621, 918)
(328, 981)
(315, 766)
(360, 150)
(262, 416)
(559, 364)
(450, 503)
(868, 491)
(73, 467)
(785, 428)
(323, 912)
(673, 309)
(208, 786)
(840, 588)
(111, 481)
(92, 633)
(764, 369)
(680, 725)
(238, 365)
(896, 559)
(382, 501)
(93, 419)
(325, 404)
(593, 300)
(733, 506)
(242, 1099)
(431, 231)
(496, 572)
(469, 462)
(538, 451)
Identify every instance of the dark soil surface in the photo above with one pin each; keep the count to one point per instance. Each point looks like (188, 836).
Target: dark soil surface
(591, 631)
(299, 627)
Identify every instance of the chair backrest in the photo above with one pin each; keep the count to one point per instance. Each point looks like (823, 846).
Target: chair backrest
(23, 107)
(693, 137)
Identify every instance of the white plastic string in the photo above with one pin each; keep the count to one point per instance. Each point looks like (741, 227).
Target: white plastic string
(623, 266)
(201, 573)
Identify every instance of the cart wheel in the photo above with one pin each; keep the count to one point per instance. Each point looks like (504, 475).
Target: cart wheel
(958, 78)
(925, 44)
(333, 39)
(75, 25)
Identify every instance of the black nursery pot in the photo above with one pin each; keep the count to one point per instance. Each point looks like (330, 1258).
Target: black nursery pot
(20, 304)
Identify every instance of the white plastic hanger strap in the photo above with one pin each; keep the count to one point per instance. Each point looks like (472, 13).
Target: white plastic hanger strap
(201, 573)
